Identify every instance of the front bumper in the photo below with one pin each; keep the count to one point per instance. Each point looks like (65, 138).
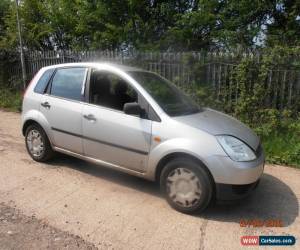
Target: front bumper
(236, 180)
(227, 192)
(226, 171)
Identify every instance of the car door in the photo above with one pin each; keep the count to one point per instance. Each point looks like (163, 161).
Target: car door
(108, 133)
(62, 107)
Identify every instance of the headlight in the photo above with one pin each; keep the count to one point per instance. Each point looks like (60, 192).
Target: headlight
(235, 148)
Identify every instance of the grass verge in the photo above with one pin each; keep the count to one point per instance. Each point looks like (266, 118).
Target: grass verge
(283, 146)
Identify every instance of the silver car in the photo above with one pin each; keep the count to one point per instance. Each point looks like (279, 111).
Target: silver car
(137, 122)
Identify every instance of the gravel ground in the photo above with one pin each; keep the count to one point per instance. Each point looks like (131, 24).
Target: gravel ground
(18, 231)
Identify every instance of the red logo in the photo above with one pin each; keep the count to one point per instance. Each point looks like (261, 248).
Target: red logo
(250, 240)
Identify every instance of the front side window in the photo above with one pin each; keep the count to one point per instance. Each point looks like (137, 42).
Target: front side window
(111, 91)
(67, 83)
(168, 97)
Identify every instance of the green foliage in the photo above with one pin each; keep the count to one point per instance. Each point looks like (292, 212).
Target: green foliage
(151, 25)
(10, 99)
(285, 26)
(8, 34)
(280, 134)
(4, 8)
(252, 77)
(251, 89)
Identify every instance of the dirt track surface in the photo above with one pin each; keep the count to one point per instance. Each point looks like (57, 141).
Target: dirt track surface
(116, 211)
(23, 232)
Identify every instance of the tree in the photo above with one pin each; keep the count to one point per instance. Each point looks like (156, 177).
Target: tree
(283, 27)
(151, 24)
(5, 6)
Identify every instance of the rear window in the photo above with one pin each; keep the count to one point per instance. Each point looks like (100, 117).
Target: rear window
(43, 81)
(68, 82)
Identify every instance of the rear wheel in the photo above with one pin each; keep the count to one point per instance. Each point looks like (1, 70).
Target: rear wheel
(38, 144)
(186, 185)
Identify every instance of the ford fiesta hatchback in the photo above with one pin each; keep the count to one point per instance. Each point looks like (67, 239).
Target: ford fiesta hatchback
(138, 122)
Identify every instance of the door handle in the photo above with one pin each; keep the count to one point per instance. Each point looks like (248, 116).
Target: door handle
(90, 117)
(46, 105)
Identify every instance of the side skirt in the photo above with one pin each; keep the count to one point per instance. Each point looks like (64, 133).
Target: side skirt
(101, 163)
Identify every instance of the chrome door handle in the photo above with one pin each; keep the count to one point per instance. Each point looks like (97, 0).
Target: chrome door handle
(46, 105)
(90, 117)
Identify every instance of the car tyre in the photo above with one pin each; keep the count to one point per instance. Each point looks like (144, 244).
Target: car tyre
(187, 185)
(38, 144)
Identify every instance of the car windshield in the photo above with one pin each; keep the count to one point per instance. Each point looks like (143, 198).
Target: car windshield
(172, 100)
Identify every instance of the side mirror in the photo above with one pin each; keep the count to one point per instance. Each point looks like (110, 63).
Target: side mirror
(133, 108)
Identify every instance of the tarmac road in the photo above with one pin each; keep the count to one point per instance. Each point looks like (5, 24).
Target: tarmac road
(113, 210)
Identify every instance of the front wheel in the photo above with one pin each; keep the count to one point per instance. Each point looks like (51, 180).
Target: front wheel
(186, 185)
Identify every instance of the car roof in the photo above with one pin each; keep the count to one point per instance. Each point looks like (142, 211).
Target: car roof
(95, 64)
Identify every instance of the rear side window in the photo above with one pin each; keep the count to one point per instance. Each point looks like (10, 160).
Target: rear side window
(68, 82)
(43, 81)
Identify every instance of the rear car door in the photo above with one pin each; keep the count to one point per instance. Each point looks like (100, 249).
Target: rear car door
(62, 107)
(109, 134)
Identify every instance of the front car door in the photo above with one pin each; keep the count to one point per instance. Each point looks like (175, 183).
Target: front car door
(62, 107)
(109, 134)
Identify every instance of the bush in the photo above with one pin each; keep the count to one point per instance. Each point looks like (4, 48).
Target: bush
(280, 134)
(10, 99)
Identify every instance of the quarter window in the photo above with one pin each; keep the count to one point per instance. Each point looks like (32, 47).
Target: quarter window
(43, 81)
(68, 82)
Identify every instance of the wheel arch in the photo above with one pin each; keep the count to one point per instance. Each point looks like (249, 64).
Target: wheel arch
(167, 158)
(27, 124)
(31, 121)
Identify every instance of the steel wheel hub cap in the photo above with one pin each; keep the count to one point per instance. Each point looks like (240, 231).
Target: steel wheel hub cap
(183, 187)
(35, 143)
